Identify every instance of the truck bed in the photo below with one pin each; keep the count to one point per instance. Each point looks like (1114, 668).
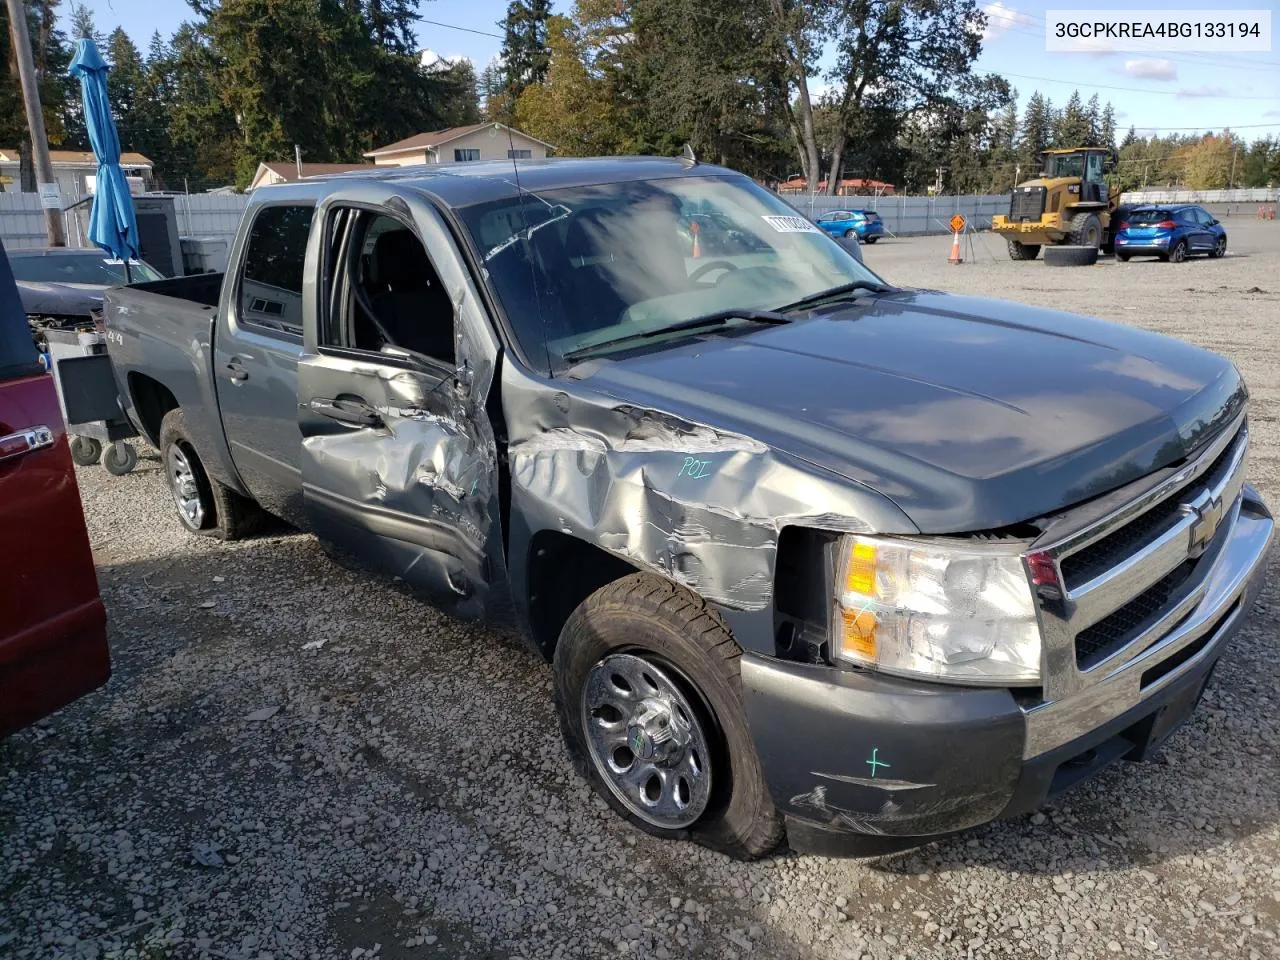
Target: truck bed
(202, 288)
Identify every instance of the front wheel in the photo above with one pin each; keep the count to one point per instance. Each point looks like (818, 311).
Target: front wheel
(850, 233)
(650, 704)
(1219, 248)
(1122, 257)
(1023, 251)
(871, 240)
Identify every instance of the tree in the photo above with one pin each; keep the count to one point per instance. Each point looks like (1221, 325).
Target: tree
(1037, 131)
(1072, 127)
(390, 24)
(83, 26)
(526, 54)
(1093, 120)
(1107, 130)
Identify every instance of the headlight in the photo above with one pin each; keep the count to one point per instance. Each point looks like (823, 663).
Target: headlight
(961, 613)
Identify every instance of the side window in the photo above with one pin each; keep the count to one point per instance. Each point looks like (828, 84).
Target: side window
(460, 156)
(1093, 168)
(271, 279)
(385, 291)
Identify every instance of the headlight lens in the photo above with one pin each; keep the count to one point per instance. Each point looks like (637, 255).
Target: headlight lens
(959, 613)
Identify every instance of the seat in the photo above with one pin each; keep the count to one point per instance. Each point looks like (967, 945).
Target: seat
(409, 300)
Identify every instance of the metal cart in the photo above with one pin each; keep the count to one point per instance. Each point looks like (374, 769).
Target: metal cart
(77, 358)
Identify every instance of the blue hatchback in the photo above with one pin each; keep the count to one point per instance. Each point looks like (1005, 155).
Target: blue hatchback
(865, 224)
(1170, 232)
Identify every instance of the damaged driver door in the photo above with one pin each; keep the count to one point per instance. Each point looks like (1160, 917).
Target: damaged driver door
(399, 465)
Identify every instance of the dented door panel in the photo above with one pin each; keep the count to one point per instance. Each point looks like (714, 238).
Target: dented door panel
(403, 473)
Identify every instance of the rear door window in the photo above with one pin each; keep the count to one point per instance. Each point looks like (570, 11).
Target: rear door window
(271, 279)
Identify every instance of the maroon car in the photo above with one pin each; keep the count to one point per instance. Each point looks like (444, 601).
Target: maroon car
(53, 637)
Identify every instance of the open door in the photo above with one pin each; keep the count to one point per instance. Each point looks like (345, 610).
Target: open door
(399, 463)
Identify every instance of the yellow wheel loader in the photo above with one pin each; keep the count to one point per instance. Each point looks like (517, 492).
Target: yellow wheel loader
(1069, 203)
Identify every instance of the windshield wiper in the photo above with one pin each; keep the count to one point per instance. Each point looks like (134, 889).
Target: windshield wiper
(719, 318)
(833, 293)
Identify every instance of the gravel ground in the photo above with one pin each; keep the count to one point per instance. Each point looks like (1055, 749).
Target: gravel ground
(294, 760)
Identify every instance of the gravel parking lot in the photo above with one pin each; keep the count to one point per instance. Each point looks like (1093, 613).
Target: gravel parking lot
(294, 760)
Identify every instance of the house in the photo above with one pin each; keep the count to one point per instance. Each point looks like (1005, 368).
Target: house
(75, 171)
(855, 187)
(286, 171)
(477, 141)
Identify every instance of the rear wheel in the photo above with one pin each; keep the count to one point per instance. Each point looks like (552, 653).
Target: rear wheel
(204, 506)
(1023, 251)
(1122, 257)
(650, 704)
(85, 451)
(1177, 253)
(1085, 230)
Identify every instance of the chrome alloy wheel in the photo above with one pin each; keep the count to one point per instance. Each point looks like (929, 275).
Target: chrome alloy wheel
(646, 741)
(186, 492)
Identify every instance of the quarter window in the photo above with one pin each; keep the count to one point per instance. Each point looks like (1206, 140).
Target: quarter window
(271, 282)
(462, 156)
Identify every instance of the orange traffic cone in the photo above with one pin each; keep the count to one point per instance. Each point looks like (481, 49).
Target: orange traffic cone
(955, 248)
(697, 244)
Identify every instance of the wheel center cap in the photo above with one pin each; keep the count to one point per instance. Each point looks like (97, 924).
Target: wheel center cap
(655, 734)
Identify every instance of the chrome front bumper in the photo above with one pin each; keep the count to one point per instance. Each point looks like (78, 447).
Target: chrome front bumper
(1216, 609)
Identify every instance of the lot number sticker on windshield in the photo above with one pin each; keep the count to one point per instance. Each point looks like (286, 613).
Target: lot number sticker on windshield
(791, 224)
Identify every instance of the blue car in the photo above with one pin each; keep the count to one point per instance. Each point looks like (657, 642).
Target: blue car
(866, 225)
(1171, 232)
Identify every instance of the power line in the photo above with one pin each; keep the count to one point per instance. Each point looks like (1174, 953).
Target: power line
(454, 26)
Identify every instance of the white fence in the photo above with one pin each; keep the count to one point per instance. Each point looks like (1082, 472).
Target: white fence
(198, 215)
(906, 216)
(1252, 195)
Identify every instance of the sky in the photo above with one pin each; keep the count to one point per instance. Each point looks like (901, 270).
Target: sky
(1169, 92)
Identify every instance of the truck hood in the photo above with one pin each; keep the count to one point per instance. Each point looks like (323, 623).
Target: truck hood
(970, 414)
(65, 299)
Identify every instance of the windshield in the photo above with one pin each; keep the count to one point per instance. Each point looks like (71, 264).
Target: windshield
(1064, 165)
(80, 268)
(577, 267)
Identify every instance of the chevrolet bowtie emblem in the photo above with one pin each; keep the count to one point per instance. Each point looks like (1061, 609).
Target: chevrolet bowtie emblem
(1207, 510)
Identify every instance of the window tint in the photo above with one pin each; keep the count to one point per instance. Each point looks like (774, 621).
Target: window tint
(386, 290)
(461, 156)
(271, 282)
(515, 155)
(18, 356)
(1148, 217)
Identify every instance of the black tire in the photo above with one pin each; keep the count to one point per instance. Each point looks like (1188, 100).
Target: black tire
(871, 240)
(1023, 251)
(668, 626)
(1062, 255)
(85, 451)
(224, 514)
(1122, 257)
(1219, 249)
(120, 458)
(1177, 253)
(1085, 230)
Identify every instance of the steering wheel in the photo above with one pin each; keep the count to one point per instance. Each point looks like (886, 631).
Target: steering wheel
(708, 267)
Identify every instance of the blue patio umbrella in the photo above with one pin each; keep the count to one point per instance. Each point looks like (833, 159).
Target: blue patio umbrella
(112, 224)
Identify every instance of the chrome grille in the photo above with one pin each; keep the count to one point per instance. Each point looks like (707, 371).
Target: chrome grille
(1129, 575)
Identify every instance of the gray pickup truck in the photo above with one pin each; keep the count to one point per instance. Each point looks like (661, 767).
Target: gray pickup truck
(809, 554)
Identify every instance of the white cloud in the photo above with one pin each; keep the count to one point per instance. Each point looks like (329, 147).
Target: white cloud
(1151, 69)
(1197, 92)
(1272, 113)
(431, 60)
(1002, 19)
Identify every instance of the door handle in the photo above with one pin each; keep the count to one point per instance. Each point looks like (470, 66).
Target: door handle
(237, 371)
(357, 413)
(25, 441)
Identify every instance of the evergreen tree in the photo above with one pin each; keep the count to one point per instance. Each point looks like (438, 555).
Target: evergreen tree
(1107, 132)
(1093, 116)
(1130, 138)
(526, 57)
(1072, 127)
(1037, 131)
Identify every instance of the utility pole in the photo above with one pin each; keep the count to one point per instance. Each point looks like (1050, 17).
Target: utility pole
(1231, 181)
(18, 31)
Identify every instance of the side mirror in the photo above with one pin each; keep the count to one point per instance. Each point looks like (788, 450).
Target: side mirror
(851, 246)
